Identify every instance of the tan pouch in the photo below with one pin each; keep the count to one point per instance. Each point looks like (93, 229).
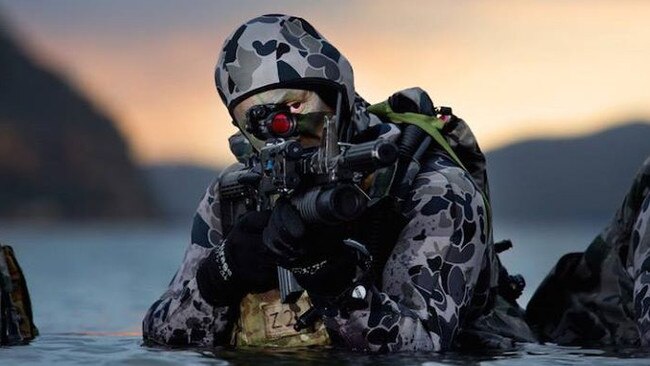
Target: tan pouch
(265, 321)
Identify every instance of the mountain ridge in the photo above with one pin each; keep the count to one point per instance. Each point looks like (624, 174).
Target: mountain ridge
(576, 177)
(60, 156)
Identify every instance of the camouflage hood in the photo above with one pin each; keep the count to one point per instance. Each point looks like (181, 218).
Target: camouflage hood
(280, 51)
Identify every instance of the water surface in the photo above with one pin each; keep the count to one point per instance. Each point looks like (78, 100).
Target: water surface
(92, 283)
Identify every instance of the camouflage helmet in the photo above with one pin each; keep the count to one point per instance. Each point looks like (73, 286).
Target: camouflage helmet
(280, 51)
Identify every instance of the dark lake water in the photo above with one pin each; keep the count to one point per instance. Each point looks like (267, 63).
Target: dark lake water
(92, 283)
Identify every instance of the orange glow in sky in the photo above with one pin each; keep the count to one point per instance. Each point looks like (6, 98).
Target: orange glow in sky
(512, 69)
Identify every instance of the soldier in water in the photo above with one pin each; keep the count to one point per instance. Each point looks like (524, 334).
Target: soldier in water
(433, 282)
(601, 297)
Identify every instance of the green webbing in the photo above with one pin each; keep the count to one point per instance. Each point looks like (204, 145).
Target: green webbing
(430, 124)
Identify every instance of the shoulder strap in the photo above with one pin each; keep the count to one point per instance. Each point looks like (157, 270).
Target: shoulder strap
(433, 126)
(430, 124)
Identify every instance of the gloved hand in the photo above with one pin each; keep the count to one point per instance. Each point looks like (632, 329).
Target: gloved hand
(293, 243)
(240, 264)
(317, 257)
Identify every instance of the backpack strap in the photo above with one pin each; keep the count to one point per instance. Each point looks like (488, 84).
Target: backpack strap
(430, 124)
(433, 126)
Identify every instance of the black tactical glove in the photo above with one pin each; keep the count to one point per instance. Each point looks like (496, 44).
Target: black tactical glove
(329, 277)
(315, 255)
(285, 234)
(240, 264)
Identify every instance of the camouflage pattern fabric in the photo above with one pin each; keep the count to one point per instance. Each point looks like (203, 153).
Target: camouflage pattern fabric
(602, 296)
(277, 50)
(440, 279)
(181, 317)
(437, 281)
(16, 319)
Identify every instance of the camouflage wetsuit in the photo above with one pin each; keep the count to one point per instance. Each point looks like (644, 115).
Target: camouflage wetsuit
(439, 281)
(602, 296)
(437, 277)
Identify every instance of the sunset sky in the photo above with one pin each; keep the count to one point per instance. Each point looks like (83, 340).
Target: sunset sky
(513, 69)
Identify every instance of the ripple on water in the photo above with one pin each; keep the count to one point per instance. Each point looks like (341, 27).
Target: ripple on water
(81, 349)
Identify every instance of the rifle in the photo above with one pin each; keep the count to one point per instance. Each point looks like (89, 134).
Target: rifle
(323, 183)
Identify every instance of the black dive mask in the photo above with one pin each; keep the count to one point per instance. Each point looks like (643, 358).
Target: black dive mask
(266, 121)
